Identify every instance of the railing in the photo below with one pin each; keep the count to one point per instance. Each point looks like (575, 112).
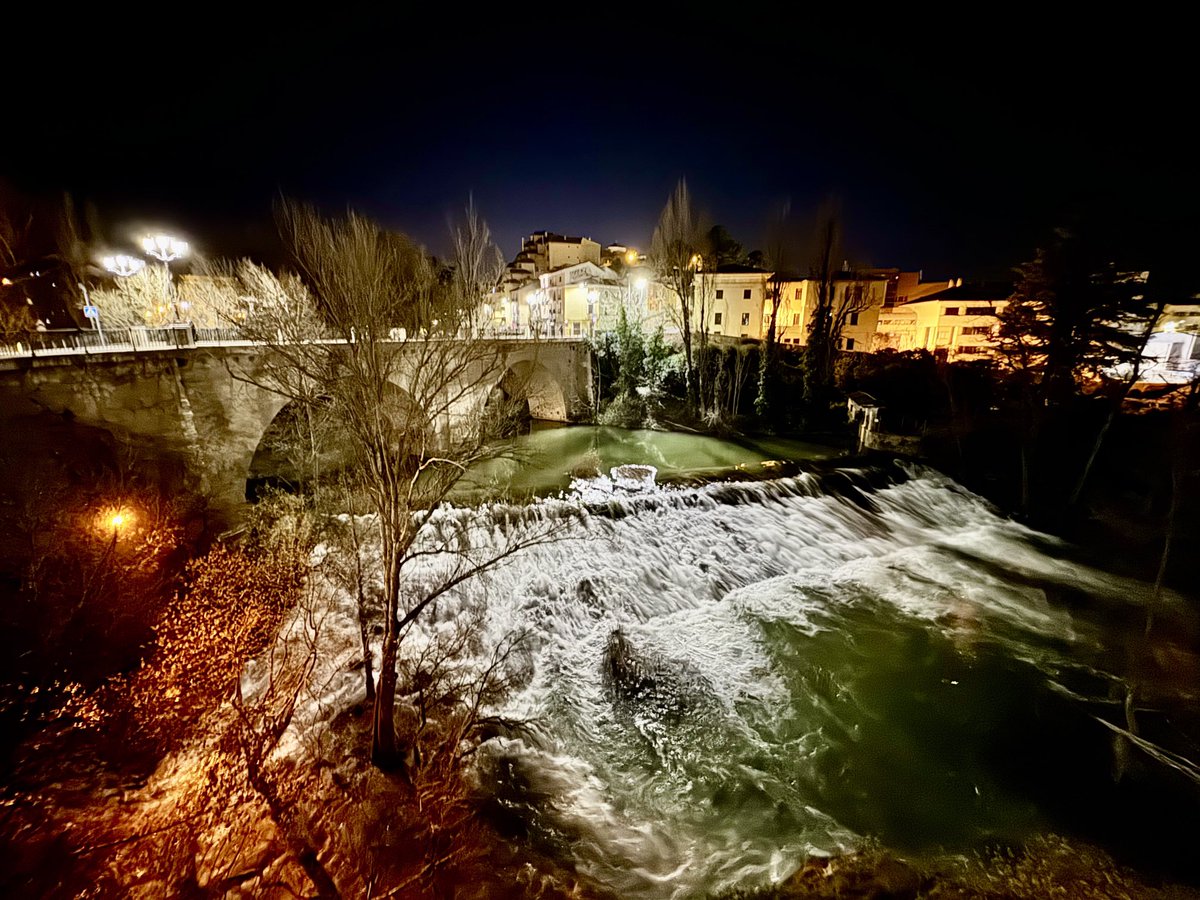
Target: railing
(142, 339)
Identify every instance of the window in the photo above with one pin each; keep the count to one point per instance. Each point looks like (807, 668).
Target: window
(746, 294)
(849, 343)
(980, 311)
(720, 294)
(951, 311)
(853, 318)
(797, 293)
(795, 318)
(978, 329)
(717, 317)
(577, 329)
(745, 318)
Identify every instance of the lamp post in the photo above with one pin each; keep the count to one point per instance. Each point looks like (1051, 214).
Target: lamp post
(122, 265)
(166, 248)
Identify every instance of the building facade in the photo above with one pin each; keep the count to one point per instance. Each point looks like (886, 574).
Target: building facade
(858, 299)
(959, 323)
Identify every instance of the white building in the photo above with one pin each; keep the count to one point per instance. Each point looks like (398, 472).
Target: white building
(1172, 354)
(960, 323)
(733, 299)
(862, 296)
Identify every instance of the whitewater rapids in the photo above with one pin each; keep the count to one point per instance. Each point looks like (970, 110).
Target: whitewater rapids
(724, 680)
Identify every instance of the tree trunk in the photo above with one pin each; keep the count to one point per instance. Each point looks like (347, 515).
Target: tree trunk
(689, 375)
(1095, 451)
(384, 753)
(383, 729)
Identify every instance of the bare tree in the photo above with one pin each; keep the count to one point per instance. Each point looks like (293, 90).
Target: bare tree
(676, 251)
(410, 411)
(833, 307)
(479, 263)
(148, 297)
(15, 320)
(779, 258)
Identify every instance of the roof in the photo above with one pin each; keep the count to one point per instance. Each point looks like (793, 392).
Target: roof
(982, 293)
(737, 269)
(552, 237)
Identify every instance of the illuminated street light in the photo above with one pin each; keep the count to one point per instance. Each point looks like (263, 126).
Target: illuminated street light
(114, 520)
(640, 284)
(166, 248)
(124, 265)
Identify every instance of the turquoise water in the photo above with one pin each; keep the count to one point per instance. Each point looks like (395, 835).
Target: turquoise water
(545, 460)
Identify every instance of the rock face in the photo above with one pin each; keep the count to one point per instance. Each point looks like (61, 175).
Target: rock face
(653, 685)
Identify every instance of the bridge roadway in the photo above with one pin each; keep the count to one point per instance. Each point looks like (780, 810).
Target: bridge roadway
(203, 393)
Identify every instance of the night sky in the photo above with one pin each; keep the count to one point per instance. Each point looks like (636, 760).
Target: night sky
(953, 148)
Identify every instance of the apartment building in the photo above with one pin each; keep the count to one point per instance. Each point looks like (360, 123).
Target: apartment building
(959, 323)
(858, 298)
(733, 298)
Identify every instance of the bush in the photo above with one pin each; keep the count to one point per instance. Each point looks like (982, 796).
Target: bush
(625, 411)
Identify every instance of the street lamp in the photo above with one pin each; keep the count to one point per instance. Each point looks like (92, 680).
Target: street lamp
(166, 248)
(124, 265)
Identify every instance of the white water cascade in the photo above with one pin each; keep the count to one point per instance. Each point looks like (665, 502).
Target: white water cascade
(723, 680)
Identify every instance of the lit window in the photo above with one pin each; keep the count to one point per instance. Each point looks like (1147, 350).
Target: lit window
(795, 318)
(745, 318)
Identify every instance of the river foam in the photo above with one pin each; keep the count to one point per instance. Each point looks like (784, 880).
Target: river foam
(723, 680)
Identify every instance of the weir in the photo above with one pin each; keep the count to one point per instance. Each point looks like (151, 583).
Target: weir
(723, 680)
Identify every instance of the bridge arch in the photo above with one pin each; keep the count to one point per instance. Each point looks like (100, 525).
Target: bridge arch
(304, 443)
(535, 392)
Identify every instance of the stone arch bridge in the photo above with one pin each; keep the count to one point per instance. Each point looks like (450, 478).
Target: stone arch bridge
(207, 400)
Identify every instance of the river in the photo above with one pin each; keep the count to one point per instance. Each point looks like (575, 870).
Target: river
(724, 678)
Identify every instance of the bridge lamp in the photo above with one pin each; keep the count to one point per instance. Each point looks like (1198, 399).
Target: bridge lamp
(124, 265)
(166, 248)
(640, 284)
